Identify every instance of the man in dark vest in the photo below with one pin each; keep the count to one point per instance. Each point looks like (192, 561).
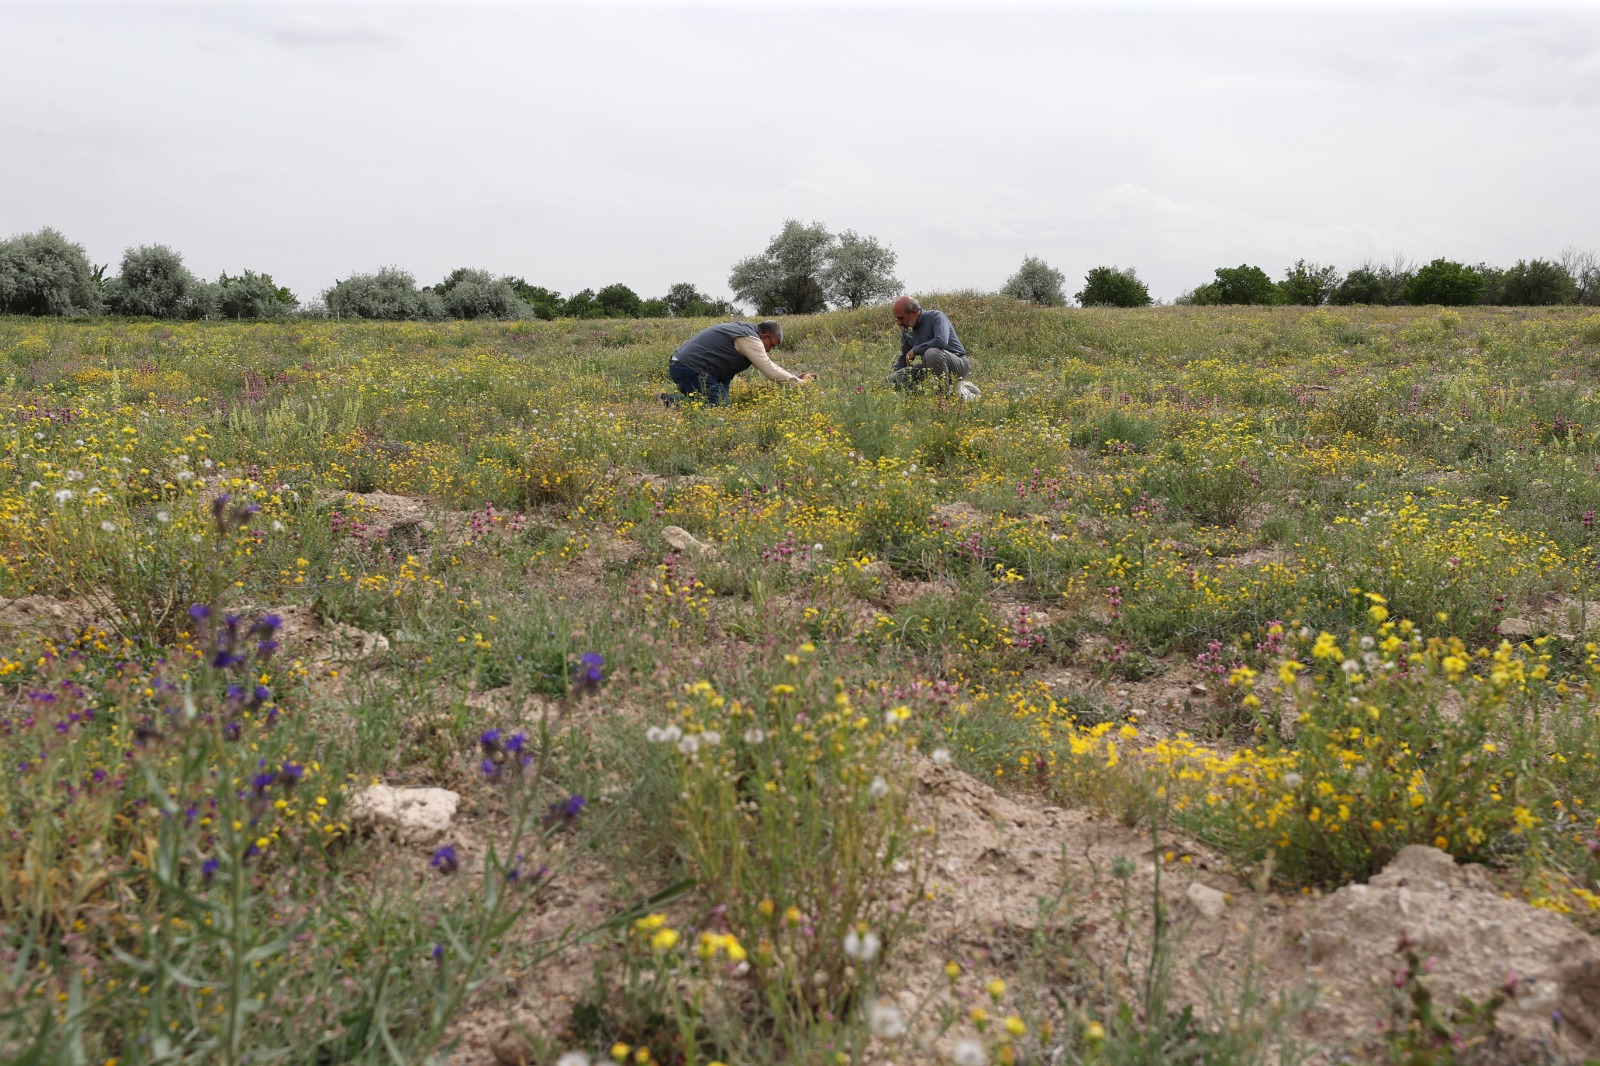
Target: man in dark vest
(705, 365)
(929, 347)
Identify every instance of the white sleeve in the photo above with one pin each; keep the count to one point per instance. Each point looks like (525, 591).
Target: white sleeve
(752, 349)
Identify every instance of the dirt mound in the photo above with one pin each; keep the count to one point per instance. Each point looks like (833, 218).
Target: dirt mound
(306, 636)
(42, 616)
(1478, 941)
(381, 515)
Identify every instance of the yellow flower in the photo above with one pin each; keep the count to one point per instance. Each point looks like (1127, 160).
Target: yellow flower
(996, 988)
(664, 940)
(619, 1051)
(1015, 1025)
(952, 970)
(1094, 1032)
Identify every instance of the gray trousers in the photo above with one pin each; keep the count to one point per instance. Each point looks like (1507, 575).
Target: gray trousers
(937, 363)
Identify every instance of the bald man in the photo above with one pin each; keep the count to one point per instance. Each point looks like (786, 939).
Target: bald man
(929, 347)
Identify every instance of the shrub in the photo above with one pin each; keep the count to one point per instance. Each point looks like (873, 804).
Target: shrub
(1372, 283)
(1584, 269)
(542, 302)
(1243, 284)
(786, 279)
(1445, 282)
(619, 301)
(1036, 282)
(683, 300)
(1309, 284)
(582, 304)
(154, 283)
(1113, 287)
(1537, 282)
(479, 294)
(390, 294)
(43, 273)
(254, 296)
(860, 271)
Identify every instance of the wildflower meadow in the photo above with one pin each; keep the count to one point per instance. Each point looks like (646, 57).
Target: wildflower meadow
(1291, 589)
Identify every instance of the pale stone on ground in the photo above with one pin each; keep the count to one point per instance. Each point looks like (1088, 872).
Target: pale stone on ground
(409, 815)
(681, 540)
(1207, 901)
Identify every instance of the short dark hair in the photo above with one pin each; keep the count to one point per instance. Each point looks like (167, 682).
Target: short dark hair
(771, 329)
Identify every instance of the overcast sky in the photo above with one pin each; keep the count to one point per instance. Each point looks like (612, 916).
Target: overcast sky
(577, 147)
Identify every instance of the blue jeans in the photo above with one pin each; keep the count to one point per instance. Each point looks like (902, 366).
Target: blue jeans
(695, 385)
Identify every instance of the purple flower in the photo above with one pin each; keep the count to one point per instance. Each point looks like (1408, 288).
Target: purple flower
(592, 662)
(444, 860)
(290, 774)
(515, 742)
(261, 782)
(489, 768)
(265, 649)
(266, 625)
(437, 954)
(490, 739)
(199, 612)
(563, 813)
(208, 869)
(231, 731)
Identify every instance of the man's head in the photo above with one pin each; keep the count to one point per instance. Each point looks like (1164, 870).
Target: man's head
(907, 311)
(771, 334)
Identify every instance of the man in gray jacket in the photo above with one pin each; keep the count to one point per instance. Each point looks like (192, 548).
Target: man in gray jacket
(929, 347)
(705, 365)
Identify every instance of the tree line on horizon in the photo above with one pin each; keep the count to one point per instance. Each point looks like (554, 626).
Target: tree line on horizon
(804, 269)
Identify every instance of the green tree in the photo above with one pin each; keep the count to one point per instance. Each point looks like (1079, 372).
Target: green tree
(1445, 282)
(1375, 283)
(655, 307)
(582, 304)
(254, 296)
(391, 294)
(619, 301)
(1538, 282)
(43, 273)
(1113, 287)
(545, 303)
(1036, 282)
(1244, 284)
(860, 271)
(469, 293)
(1308, 284)
(154, 283)
(1584, 269)
(685, 301)
(786, 279)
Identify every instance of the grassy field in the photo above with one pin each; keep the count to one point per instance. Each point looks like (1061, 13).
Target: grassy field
(1303, 585)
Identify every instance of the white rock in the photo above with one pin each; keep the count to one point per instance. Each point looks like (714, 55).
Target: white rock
(681, 540)
(1207, 900)
(410, 815)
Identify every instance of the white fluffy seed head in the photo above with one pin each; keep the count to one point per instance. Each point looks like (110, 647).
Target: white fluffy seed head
(885, 1020)
(969, 1053)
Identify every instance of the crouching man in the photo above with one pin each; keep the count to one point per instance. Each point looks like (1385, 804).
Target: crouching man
(929, 347)
(705, 365)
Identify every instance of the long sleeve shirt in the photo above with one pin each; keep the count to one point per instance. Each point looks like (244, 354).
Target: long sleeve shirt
(932, 330)
(752, 349)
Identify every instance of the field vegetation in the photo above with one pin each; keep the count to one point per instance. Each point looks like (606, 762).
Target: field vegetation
(1302, 586)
